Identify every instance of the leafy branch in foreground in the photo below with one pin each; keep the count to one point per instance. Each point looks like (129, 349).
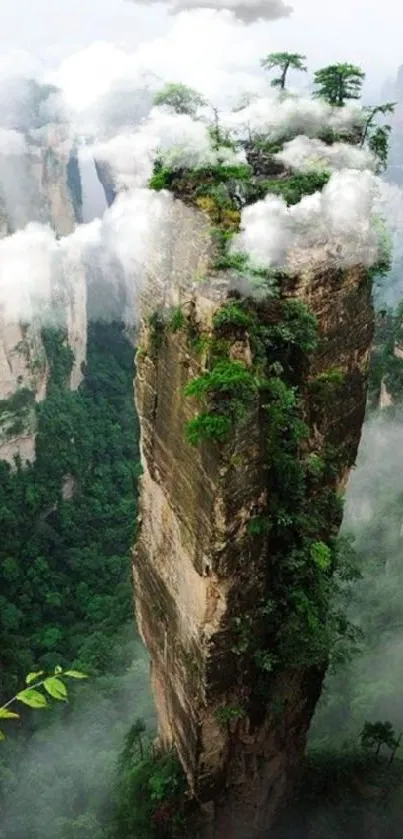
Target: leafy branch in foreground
(52, 685)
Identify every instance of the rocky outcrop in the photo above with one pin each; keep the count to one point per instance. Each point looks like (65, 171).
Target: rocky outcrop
(198, 565)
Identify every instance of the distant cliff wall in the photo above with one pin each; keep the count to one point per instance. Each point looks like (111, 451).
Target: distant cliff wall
(38, 186)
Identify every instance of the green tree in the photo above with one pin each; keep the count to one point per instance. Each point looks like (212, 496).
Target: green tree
(181, 98)
(375, 135)
(372, 111)
(338, 82)
(379, 144)
(378, 734)
(284, 61)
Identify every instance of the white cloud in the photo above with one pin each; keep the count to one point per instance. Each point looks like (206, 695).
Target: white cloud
(333, 227)
(26, 271)
(293, 115)
(106, 82)
(34, 264)
(179, 141)
(12, 142)
(306, 153)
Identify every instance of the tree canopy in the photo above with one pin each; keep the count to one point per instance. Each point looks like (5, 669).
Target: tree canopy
(285, 61)
(337, 83)
(181, 98)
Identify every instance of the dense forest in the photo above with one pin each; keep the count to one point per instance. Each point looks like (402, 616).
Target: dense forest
(68, 520)
(68, 524)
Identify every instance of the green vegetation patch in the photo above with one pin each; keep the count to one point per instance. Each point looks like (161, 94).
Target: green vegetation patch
(150, 793)
(201, 178)
(292, 188)
(22, 400)
(295, 625)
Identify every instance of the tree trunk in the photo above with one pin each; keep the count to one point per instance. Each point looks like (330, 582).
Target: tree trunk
(340, 97)
(284, 76)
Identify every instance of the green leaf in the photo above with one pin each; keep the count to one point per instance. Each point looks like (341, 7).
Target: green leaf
(55, 688)
(321, 555)
(2, 737)
(75, 674)
(5, 714)
(32, 698)
(32, 677)
(58, 670)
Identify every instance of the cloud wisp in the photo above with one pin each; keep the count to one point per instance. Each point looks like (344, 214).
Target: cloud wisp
(307, 153)
(278, 118)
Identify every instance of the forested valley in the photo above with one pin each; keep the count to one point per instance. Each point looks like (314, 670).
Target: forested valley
(68, 524)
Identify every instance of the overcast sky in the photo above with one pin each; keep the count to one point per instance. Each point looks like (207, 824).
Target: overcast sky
(366, 32)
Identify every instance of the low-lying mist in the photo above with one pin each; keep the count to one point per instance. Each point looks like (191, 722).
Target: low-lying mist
(370, 686)
(61, 779)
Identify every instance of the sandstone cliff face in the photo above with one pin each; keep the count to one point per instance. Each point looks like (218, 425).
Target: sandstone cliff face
(35, 187)
(23, 378)
(51, 176)
(197, 568)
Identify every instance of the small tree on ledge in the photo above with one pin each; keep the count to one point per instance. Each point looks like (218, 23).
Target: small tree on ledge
(181, 98)
(284, 61)
(377, 136)
(337, 83)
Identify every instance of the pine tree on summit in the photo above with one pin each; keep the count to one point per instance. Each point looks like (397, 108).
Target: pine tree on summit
(338, 82)
(285, 61)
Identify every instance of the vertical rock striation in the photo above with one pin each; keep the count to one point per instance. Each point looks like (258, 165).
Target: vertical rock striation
(199, 567)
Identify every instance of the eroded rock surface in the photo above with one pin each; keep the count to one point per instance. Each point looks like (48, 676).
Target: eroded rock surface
(196, 565)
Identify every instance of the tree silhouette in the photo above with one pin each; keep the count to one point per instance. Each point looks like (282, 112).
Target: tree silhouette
(377, 734)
